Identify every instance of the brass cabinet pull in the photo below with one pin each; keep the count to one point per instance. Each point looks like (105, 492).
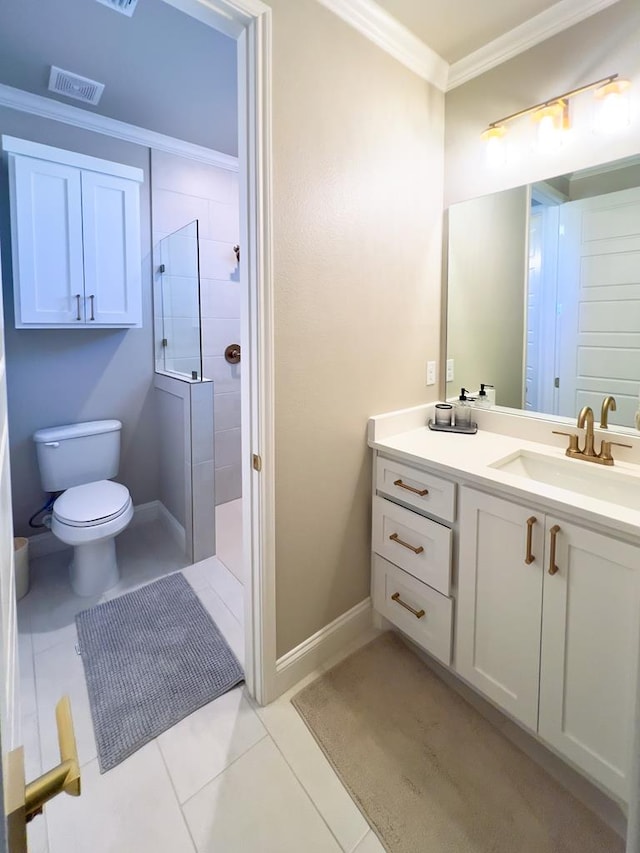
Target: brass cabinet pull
(91, 298)
(78, 317)
(401, 485)
(417, 613)
(553, 535)
(395, 538)
(529, 557)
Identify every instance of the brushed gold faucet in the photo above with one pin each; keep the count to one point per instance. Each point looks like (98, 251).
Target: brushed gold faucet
(585, 418)
(588, 453)
(608, 404)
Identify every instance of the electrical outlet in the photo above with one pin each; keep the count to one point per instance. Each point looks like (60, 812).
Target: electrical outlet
(449, 370)
(431, 373)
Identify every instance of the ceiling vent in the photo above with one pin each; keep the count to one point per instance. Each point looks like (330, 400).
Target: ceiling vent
(73, 86)
(127, 7)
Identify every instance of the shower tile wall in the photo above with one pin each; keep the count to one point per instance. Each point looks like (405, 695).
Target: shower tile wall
(184, 190)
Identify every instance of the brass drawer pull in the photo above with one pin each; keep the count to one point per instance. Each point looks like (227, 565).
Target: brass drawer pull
(417, 613)
(420, 492)
(395, 538)
(529, 557)
(553, 534)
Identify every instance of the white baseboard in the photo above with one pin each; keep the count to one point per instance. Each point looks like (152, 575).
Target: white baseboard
(43, 544)
(321, 646)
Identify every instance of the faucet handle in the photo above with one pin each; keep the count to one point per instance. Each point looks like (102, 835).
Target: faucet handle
(573, 440)
(605, 449)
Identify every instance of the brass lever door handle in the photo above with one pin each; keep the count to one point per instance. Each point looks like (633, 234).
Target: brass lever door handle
(529, 558)
(23, 802)
(553, 537)
(66, 776)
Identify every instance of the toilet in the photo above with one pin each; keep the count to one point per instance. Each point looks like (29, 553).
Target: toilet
(79, 460)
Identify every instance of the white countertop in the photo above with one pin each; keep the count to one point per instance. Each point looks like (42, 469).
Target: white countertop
(468, 458)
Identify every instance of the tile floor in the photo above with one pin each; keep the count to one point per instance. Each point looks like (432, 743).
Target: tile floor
(230, 777)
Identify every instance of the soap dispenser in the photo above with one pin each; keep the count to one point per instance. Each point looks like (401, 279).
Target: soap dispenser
(484, 401)
(463, 410)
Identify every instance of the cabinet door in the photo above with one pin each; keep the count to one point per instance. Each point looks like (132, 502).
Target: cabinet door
(499, 602)
(112, 261)
(590, 652)
(47, 243)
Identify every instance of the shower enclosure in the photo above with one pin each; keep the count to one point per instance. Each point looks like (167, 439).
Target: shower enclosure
(178, 309)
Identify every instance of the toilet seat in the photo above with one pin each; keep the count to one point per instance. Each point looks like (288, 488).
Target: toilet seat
(92, 504)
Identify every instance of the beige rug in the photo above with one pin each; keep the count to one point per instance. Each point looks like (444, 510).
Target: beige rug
(429, 772)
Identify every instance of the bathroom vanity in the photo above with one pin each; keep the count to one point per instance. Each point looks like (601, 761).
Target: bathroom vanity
(518, 569)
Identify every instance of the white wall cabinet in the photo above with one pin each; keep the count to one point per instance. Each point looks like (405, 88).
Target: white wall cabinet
(551, 637)
(75, 239)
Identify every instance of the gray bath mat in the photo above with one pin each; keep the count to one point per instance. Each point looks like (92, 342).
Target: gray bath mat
(150, 657)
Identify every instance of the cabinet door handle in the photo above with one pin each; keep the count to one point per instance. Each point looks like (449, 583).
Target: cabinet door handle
(78, 317)
(416, 550)
(401, 485)
(553, 536)
(529, 558)
(91, 299)
(417, 613)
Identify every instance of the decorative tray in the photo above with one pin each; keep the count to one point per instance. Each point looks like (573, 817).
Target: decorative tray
(465, 430)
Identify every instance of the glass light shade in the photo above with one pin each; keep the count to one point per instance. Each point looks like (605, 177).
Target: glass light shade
(553, 122)
(615, 106)
(495, 150)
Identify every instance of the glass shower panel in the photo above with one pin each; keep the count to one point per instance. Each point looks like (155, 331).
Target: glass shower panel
(181, 344)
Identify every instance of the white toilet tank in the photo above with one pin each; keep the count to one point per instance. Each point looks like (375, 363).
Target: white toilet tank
(76, 454)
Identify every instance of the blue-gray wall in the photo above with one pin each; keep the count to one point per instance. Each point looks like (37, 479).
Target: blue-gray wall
(60, 376)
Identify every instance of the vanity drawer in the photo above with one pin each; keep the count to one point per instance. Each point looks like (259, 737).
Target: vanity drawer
(417, 488)
(418, 545)
(429, 622)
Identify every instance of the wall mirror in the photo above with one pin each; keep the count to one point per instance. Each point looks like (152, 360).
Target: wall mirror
(543, 294)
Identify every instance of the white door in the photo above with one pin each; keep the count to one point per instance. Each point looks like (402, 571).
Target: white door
(588, 676)
(10, 698)
(47, 242)
(112, 261)
(599, 294)
(499, 602)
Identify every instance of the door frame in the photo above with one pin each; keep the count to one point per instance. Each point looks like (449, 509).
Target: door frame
(249, 22)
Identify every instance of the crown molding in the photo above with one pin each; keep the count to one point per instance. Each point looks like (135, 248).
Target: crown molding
(27, 102)
(386, 32)
(554, 20)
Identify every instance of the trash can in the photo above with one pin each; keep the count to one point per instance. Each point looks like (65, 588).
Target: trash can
(21, 561)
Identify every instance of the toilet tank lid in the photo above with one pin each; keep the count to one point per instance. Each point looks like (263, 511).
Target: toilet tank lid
(60, 433)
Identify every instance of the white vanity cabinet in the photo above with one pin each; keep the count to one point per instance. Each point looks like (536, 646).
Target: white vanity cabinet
(411, 570)
(75, 229)
(550, 632)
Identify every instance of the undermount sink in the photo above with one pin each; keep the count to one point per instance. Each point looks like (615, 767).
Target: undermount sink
(574, 475)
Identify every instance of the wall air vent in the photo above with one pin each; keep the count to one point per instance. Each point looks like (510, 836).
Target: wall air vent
(127, 7)
(74, 86)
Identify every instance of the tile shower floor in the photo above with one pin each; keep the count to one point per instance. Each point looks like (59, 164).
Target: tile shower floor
(230, 777)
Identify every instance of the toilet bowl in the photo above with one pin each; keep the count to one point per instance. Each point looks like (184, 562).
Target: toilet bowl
(77, 462)
(89, 517)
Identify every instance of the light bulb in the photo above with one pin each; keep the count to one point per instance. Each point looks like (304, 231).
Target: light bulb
(495, 151)
(553, 122)
(614, 113)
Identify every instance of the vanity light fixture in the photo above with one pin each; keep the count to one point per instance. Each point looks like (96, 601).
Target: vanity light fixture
(552, 115)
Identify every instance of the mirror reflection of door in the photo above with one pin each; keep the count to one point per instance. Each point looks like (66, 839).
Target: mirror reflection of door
(583, 304)
(599, 289)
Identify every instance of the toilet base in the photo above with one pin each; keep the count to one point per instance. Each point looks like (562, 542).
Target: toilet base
(94, 569)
